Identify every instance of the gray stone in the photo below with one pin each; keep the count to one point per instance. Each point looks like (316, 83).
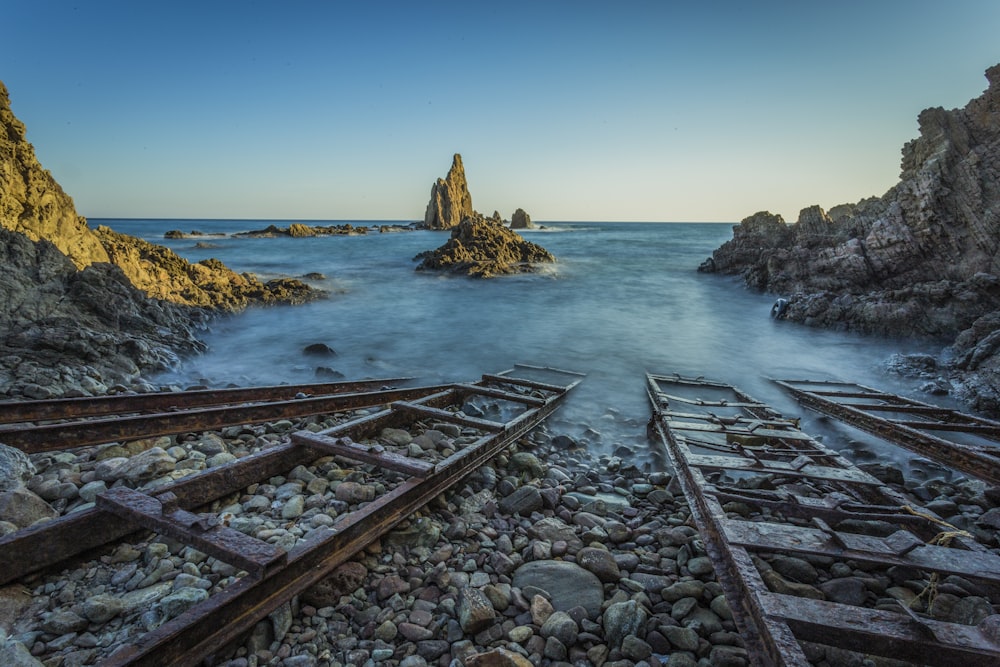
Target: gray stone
(527, 463)
(561, 626)
(847, 590)
(15, 654)
(23, 508)
(523, 501)
(599, 561)
(635, 649)
(551, 529)
(475, 611)
(146, 466)
(700, 566)
(567, 584)
(795, 569)
(64, 621)
(685, 639)
(179, 601)
(102, 608)
(16, 468)
(622, 619)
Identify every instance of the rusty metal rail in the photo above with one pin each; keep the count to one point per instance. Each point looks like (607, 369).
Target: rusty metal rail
(916, 426)
(158, 414)
(766, 489)
(273, 575)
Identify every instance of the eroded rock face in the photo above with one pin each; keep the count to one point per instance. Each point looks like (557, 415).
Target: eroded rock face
(450, 201)
(80, 331)
(162, 274)
(922, 260)
(32, 202)
(483, 248)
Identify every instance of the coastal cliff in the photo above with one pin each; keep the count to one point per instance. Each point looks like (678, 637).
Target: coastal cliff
(922, 260)
(81, 309)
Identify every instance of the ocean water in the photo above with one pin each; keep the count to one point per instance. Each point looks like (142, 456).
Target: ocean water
(623, 299)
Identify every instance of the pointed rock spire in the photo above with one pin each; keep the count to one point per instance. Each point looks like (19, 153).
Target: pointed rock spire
(450, 199)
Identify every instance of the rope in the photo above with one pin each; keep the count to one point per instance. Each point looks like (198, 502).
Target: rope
(942, 539)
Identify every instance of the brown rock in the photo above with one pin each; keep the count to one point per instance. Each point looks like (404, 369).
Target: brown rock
(483, 248)
(498, 657)
(450, 201)
(343, 581)
(521, 220)
(475, 611)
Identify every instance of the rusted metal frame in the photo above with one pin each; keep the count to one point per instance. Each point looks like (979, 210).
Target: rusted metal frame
(951, 454)
(904, 404)
(98, 431)
(767, 536)
(161, 514)
(811, 471)
(186, 639)
(711, 404)
(43, 545)
(377, 455)
(991, 432)
(91, 406)
(921, 641)
(532, 384)
(492, 392)
(769, 643)
(65, 408)
(419, 410)
(546, 369)
(804, 507)
(742, 433)
(919, 409)
(727, 421)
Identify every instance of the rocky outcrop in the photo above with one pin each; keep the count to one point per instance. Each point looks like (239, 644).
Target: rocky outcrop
(521, 220)
(66, 331)
(450, 201)
(301, 230)
(163, 274)
(483, 248)
(923, 259)
(32, 203)
(76, 313)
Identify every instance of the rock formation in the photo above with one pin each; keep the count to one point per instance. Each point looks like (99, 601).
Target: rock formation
(32, 203)
(923, 259)
(75, 309)
(521, 220)
(483, 248)
(300, 230)
(66, 331)
(450, 201)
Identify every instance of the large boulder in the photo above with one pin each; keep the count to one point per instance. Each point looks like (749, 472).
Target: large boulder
(450, 201)
(483, 248)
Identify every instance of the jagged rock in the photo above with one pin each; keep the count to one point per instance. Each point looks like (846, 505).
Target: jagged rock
(923, 259)
(450, 201)
(521, 220)
(483, 248)
(33, 203)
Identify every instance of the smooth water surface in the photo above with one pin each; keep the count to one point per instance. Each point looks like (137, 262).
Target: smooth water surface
(623, 299)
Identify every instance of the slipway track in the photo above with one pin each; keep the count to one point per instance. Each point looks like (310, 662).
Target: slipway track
(762, 491)
(511, 404)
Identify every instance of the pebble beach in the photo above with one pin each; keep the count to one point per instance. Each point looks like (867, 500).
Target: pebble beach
(549, 555)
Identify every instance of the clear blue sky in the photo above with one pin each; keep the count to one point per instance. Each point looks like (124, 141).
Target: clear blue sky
(577, 110)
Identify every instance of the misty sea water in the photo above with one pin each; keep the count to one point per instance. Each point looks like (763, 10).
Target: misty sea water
(623, 299)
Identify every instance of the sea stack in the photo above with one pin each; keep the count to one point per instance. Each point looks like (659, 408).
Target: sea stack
(521, 220)
(450, 199)
(484, 248)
